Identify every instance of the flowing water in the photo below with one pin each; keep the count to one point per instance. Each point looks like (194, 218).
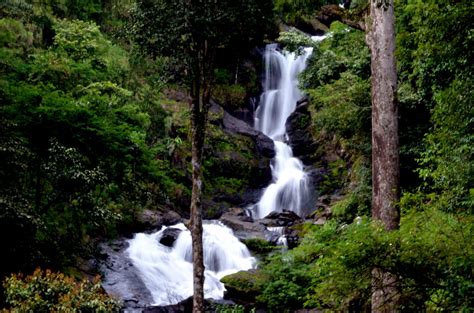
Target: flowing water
(290, 187)
(168, 271)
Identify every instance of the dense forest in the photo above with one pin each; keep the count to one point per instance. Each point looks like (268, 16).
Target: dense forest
(115, 110)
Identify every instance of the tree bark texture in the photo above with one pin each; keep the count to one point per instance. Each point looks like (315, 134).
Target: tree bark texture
(200, 99)
(196, 210)
(385, 146)
(380, 36)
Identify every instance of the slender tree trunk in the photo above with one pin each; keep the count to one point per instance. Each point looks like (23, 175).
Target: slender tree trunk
(200, 97)
(385, 147)
(198, 132)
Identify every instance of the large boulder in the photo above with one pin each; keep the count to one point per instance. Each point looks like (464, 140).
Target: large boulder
(151, 220)
(183, 306)
(298, 128)
(120, 278)
(169, 236)
(284, 218)
(264, 145)
(236, 163)
(243, 287)
(242, 225)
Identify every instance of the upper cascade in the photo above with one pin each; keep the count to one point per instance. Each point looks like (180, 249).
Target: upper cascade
(280, 90)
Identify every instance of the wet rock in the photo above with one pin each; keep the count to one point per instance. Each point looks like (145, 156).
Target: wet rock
(149, 219)
(243, 226)
(183, 306)
(298, 127)
(243, 287)
(171, 218)
(169, 236)
(292, 238)
(264, 145)
(285, 218)
(120, 278)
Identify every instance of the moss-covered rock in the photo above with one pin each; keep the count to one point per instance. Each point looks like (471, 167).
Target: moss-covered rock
(259, 246)
(236, 159)
(243, 287)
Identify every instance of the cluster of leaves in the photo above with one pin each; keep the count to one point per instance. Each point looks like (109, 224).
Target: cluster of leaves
(291, 11)
(77, 146)
(46, 291)
(181, 28)
(435, 45)
(331, 269)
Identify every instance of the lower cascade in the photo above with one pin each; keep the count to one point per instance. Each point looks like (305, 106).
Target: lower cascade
(167, 272)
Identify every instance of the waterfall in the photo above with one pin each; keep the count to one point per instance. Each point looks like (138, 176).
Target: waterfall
(168, 271)
(290, 187)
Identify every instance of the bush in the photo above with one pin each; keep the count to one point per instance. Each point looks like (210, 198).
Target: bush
(232, 97)
(431, 253)
(46, 291)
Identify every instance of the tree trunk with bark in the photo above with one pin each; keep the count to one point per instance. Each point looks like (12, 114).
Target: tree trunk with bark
(197, 141)
(380, 36)
(200, 102)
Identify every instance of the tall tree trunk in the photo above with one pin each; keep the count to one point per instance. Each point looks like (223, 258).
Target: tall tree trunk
(197, 141)
(385, 147)
(200, 98)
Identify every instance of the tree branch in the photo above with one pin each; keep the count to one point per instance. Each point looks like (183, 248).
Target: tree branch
(331, 13)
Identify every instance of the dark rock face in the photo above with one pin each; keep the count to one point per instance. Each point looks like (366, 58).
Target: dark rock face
(298, 130)
(233, 125)
(184, 306)
(238, 160)
(169, 236)
(243, 226)
(121, 278)
(171, 218)
(285, 218)
(264, 144)
(150, 220)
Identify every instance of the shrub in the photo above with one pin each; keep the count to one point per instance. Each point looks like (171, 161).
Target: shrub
(47, 291)
(431, 253)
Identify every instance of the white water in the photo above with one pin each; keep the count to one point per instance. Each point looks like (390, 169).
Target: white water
(290, 186)
(167, 271)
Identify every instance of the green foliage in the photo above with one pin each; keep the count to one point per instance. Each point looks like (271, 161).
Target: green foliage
(446, 164)
(331, 269)
(292, 10)
(294, 40)
(259, 246)
(337, 82)
(229, 308)
(232, 97)
(246, 285)
(13, 34)
(343, 50)
(435, 45)
(76, 159)
(179, 28)
(80, 56)
(343, 107)
(46, 291)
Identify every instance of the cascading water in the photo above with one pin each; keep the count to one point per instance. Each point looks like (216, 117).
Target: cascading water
(167, 271)
(290, 187)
